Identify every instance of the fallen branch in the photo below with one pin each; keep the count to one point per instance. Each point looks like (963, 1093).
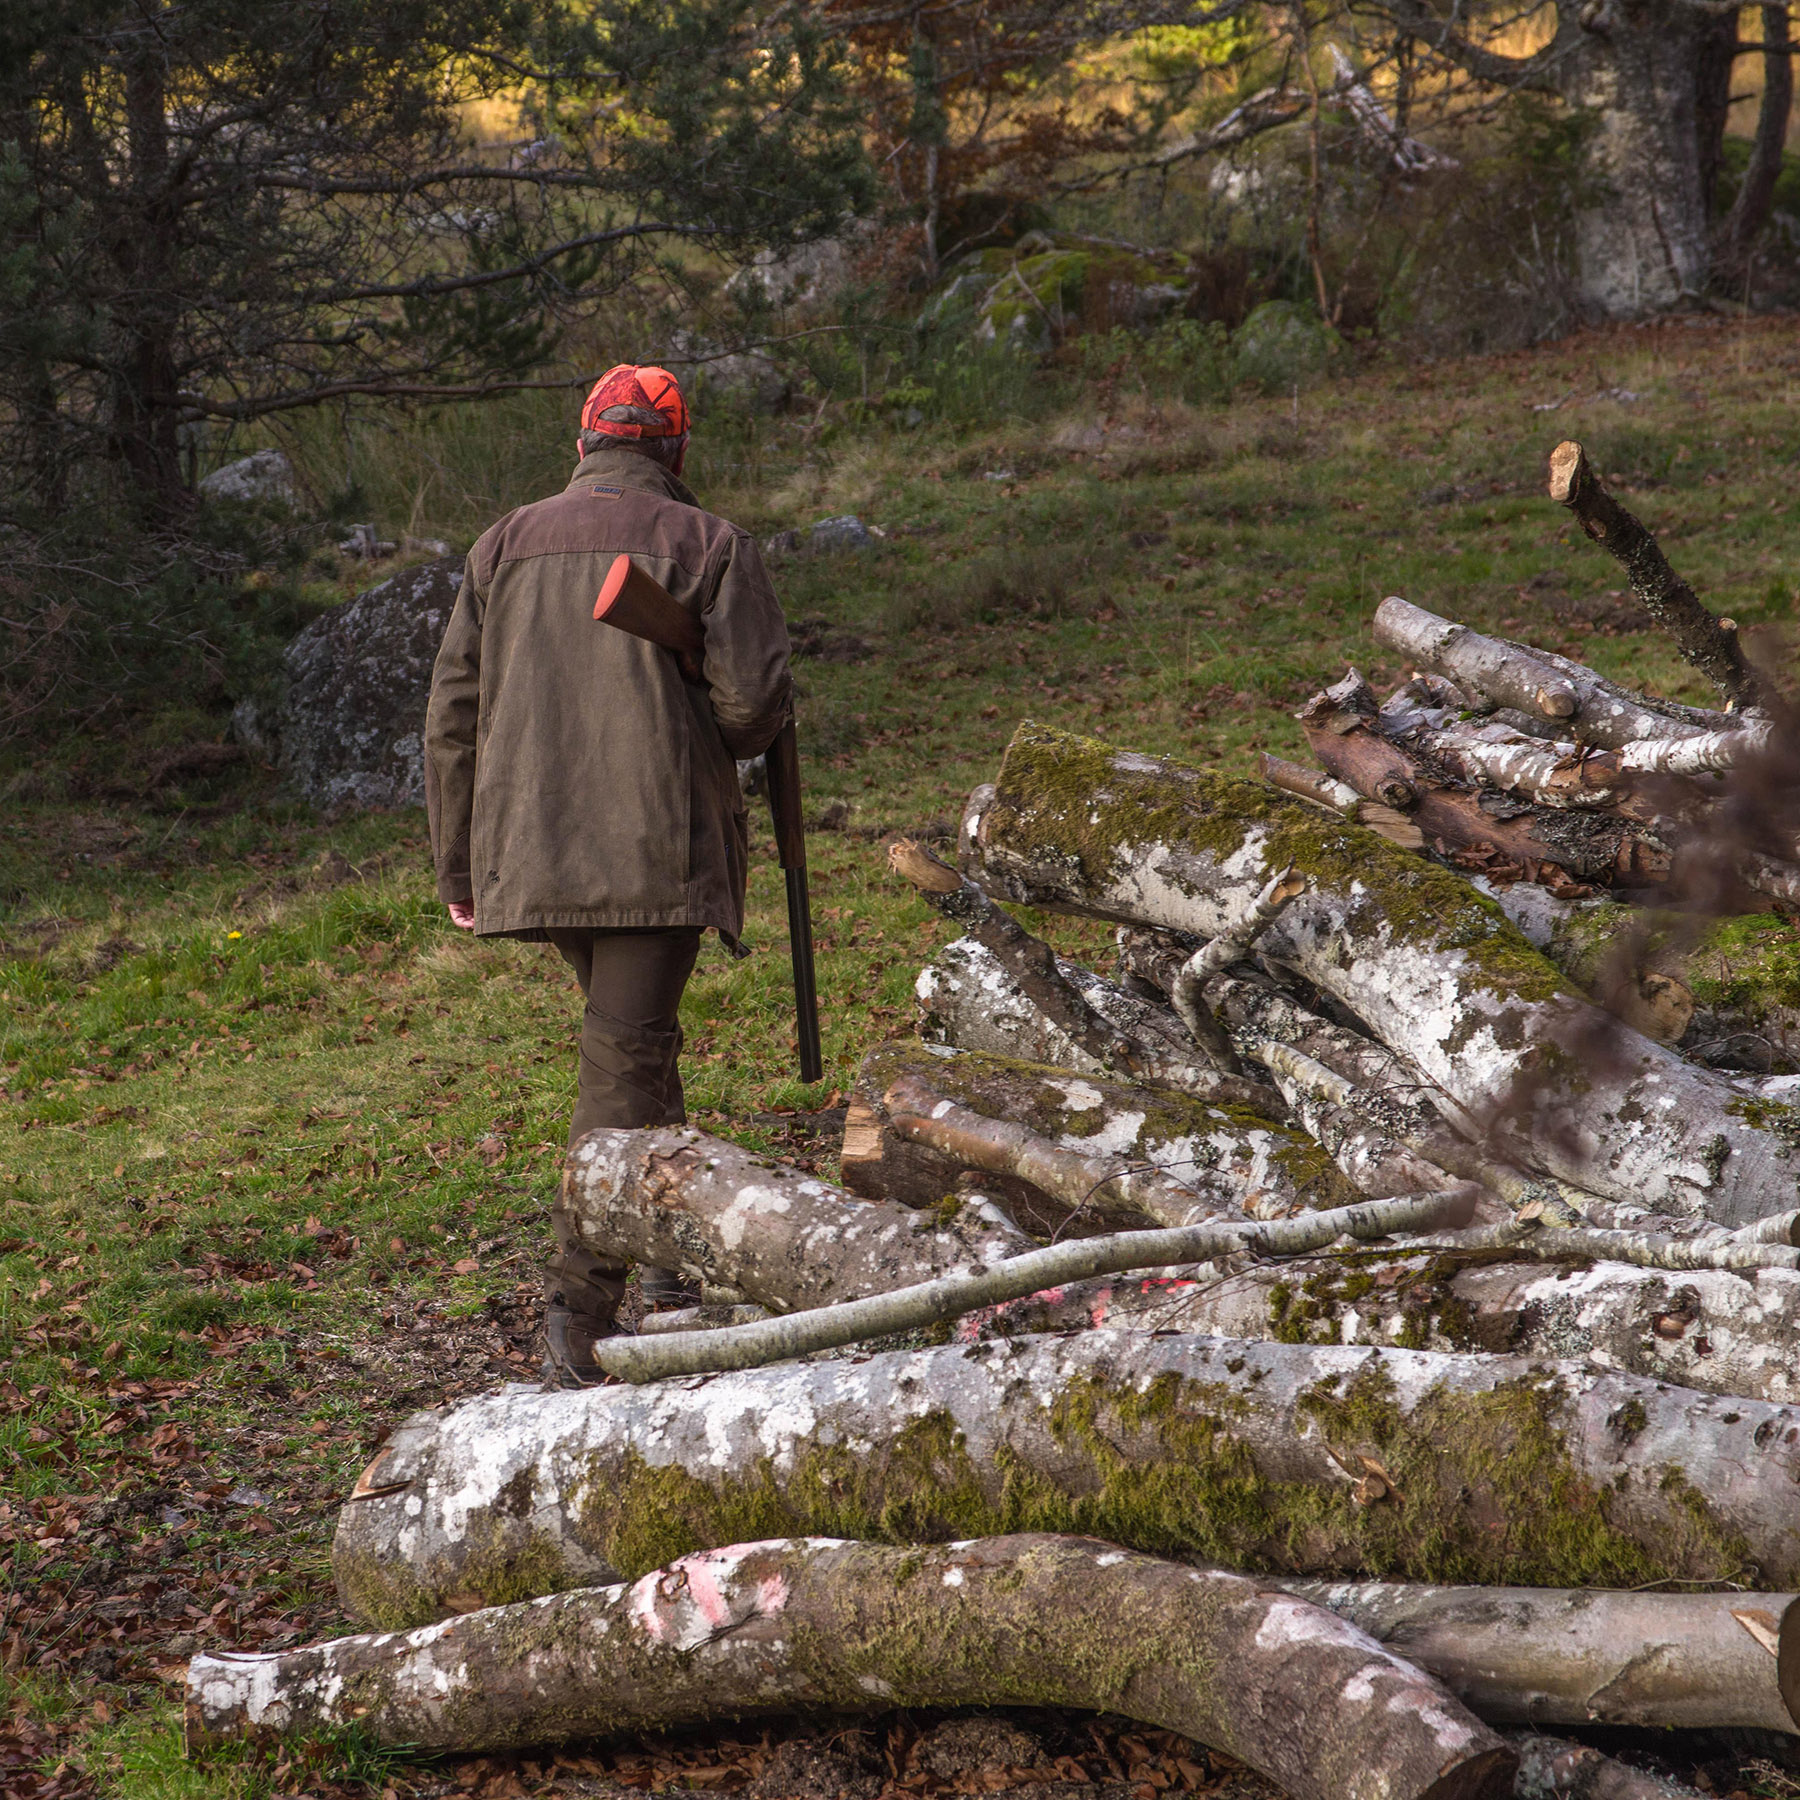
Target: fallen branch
(819, 1623)
(674, 1198)
(1251, 1455)
(1032, 964)
(1230, 946)
(765, 1341)
(1340, 797)
(1698, 634)
(1552, 1768)
(1555, 1656)
(1428, 965)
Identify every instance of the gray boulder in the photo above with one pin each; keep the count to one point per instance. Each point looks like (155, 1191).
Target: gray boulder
(349, 728)
(265, 475)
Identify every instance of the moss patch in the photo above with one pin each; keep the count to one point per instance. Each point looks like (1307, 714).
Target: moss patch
(1071, 800)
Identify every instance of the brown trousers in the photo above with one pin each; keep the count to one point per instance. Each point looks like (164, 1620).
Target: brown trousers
(632, 982)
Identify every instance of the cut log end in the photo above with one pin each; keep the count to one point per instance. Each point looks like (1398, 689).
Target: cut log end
(922, 868)
(1568, 470)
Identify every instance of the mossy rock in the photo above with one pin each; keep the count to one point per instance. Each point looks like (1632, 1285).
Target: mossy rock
(1282, 345)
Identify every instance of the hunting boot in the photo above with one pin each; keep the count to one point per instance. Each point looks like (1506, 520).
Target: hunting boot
(581, 1306)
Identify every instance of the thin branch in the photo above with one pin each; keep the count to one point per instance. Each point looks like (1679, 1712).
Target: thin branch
(638, 1360)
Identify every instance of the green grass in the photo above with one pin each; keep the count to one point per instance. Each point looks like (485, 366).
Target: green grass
(277, 1146)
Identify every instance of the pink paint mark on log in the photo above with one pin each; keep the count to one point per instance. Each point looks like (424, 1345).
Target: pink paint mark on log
(641, 1608)
(704, 1589)
(771, 1595)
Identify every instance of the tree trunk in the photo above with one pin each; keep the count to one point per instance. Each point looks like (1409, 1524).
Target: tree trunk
(1756, 193)
(1551, 1656)
(1715, 1330)
(1266, 1169)
(1290, 1458)
(819, 1624)
(674, 1198)
(1641, 237)
(1429, 966)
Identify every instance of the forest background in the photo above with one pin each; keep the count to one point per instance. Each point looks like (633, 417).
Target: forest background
(1155, 341)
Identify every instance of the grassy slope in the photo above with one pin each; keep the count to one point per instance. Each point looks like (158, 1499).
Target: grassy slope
(277, 1147)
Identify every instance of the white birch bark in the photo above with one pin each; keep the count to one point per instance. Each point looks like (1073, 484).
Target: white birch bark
(1259, 1455)
(1425, 963)
(1263, 1168)
(820, 1624)
(1717, 1331)
(674, 1198)
(1555, 1656)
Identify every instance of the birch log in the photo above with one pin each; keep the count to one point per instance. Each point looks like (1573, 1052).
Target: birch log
(1252, 1455)
(675, 1198)
(1428, 965)
(1715, 1330)
(1732, 985)
(1509, 675)
(1558, 1656)
(1254, 1164)
(1284, 1686)
(967, 998)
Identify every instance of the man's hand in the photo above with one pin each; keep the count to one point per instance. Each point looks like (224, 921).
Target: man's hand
(462, 914)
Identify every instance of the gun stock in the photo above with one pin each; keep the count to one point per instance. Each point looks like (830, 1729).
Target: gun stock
(639, 604)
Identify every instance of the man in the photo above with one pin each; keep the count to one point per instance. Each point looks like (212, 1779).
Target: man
(581, 793)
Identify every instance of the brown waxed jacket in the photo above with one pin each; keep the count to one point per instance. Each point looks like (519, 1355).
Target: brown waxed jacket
(571, 776)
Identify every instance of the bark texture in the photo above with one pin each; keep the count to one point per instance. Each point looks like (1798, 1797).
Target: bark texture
(674, 1198)
(1281, 1457)
(1717, 1331)
(1434, 969)
(1264, 1168)
(1555, 1656)
(1285, 1686)
(968, 999)
(874, 1317)
(1513, 676)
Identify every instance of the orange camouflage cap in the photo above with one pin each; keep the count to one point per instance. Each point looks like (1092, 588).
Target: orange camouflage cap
(636, 400)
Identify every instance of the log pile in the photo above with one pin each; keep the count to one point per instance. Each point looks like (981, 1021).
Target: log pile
(1358, 1325)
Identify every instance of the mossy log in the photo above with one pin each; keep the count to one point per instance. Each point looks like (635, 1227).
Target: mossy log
(1252, 1455)
(1287, 1687)
(1733, 984)
(1264, 1168)
(1429, 965)
(1716, 1330)
(1560, 1656)
(675, 1198)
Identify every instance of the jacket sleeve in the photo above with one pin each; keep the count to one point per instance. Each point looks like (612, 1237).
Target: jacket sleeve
(450, 721)
(746, 651)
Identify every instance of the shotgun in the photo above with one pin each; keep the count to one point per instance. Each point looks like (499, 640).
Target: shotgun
(639, 604)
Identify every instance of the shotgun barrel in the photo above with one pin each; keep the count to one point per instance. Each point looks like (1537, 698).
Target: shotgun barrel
(636, 602)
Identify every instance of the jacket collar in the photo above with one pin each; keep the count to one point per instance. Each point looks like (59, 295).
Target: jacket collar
(631, 469)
